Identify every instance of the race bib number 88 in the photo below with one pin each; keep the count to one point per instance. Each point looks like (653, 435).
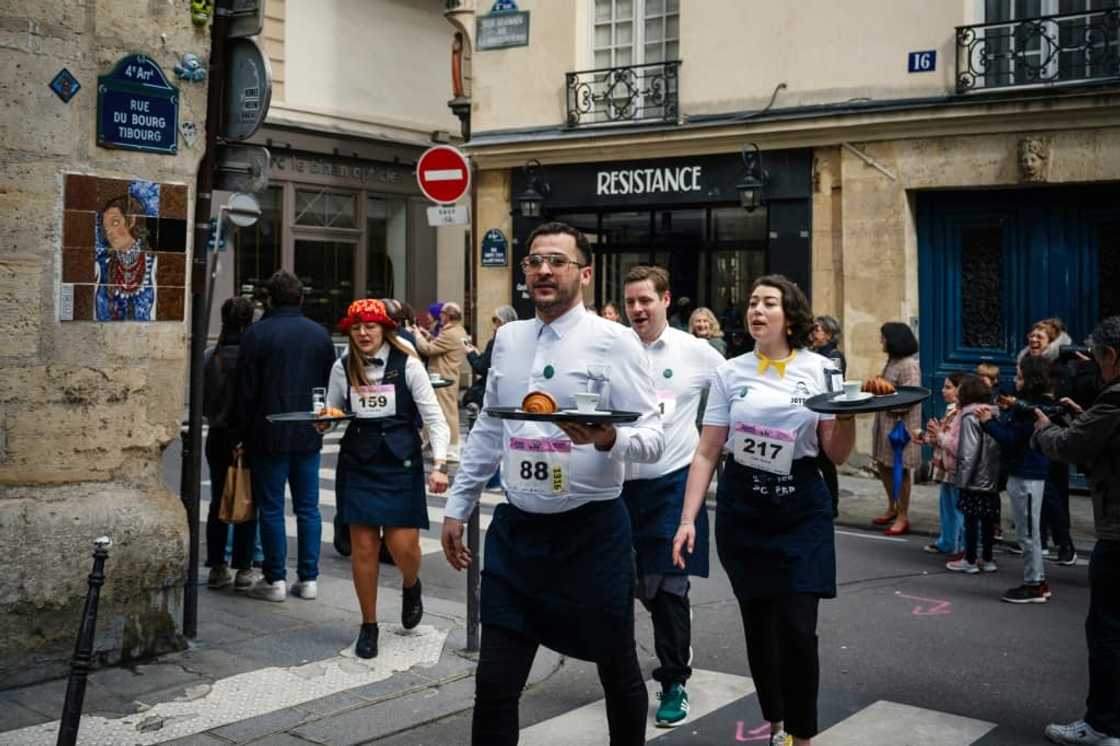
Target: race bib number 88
(764, 448)
(538, 466)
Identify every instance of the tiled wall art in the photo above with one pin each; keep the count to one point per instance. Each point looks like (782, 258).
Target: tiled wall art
(124, 250)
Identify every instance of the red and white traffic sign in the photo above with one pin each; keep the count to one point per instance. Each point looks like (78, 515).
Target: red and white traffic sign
(443, 174)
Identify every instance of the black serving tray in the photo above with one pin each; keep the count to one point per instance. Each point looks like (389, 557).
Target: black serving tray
(904, 398)
(564, 415)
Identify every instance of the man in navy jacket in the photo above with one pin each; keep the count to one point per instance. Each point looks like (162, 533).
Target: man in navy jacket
(283, 356)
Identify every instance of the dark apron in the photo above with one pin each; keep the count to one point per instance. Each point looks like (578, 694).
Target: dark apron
(655, 508)
(380, 478)
(774, 535)
(565, 580)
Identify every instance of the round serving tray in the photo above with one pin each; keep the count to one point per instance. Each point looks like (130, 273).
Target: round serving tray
(564, 415)
(904, 398)
(306, 417)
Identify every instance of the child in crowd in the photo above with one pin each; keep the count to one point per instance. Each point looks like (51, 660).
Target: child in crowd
(977, 478)
(990, 373)
(1027, 470)
(943, 435)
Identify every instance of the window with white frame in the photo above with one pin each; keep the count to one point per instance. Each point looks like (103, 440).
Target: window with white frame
(1035, 46)
(635, 32)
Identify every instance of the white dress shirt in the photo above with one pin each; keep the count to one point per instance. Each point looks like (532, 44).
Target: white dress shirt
(416, 378)
(740, 395)
(682, 367)
(569, 348)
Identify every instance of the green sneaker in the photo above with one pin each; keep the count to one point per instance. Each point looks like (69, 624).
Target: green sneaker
(674, 707)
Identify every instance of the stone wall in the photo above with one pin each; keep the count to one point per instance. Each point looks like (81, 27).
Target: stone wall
(86, 408)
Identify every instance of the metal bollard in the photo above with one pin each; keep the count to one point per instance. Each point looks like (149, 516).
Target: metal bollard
(83, 650)
(473, 570)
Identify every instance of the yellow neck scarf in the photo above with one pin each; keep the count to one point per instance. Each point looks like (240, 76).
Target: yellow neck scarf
(778, 365)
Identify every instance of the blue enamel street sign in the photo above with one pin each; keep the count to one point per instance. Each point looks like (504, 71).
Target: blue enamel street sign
(137, 108)
(922, 62)
(495, 249)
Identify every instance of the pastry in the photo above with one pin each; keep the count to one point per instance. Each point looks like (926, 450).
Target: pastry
(878, 386)
(539, 402)
(331, 412)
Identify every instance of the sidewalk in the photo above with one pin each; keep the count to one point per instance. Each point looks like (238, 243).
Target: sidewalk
(275, 673)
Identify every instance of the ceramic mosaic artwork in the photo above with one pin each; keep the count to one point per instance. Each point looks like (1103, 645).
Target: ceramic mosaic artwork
(124, 250)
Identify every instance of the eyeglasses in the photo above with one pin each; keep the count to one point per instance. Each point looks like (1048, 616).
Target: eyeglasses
(534, 262)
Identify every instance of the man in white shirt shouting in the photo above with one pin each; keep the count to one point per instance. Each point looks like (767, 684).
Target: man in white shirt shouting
(681, 365)
(559, 569)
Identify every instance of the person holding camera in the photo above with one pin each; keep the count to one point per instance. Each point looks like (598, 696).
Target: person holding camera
(1027, 470)
(1092, 440)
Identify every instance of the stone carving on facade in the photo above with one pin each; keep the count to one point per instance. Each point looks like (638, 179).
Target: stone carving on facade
(1034, 158)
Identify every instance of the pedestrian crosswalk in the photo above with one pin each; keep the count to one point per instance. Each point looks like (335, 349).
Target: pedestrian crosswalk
(725, 710)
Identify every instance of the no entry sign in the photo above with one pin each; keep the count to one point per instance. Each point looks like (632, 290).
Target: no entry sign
(443, 174)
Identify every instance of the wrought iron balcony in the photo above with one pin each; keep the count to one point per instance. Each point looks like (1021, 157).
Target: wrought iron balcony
(616, 95)
(1047, 50)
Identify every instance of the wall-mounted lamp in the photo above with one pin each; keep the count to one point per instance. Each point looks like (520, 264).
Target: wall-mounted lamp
(753, 183)
(536, 191)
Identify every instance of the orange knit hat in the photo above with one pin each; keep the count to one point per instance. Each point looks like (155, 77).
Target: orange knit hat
(366, 310)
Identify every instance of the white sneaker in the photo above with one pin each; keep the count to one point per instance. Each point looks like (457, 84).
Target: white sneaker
(988, 566)
(266, 591)
(1079, 732)
(245, 579)
(306, 589)
(220, 577)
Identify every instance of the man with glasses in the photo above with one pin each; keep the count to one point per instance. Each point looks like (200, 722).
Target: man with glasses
(559, 569)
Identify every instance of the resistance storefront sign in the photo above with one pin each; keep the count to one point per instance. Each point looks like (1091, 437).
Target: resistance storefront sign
(137, 108)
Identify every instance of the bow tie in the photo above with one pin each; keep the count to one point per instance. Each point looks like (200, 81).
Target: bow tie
(778, 365)
(374, 361)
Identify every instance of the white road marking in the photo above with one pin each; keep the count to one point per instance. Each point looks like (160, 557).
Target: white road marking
(250, 694)
(883, 722)
(866, 535)
(707, 691)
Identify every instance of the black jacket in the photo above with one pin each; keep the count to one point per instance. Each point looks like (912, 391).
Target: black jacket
(282, 357)
(832, 352)
(480, 364)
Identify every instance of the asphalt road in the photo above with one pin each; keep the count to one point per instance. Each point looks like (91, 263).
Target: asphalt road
(902, 629)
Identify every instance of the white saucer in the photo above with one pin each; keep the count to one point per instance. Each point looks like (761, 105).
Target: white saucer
(845, 399)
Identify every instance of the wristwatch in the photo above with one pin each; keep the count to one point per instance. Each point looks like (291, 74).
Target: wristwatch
(441, 468)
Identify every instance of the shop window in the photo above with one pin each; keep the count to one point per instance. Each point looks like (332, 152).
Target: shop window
(325, 209)
(983, 325)
(386, 234)
(326, 269)
(258, 247)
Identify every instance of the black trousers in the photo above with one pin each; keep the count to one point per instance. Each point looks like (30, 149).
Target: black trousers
(781, 637)
(1055, 507)
(1102, 633)
(672, 637)
(504, 661)
(987, 531)
(219, 456)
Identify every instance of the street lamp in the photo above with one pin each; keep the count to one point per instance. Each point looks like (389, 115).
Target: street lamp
(753, 183)
(536, 191)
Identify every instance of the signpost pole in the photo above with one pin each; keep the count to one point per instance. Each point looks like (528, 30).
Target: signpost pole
(190, 489)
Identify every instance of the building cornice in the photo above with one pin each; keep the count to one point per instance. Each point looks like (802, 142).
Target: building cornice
(805, 127)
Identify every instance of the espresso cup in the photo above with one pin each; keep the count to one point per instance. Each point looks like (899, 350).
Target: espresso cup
(851, 389)
(586, 402)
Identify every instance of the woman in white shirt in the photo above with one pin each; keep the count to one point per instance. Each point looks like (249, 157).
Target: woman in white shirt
(774, 533)
(380, 479)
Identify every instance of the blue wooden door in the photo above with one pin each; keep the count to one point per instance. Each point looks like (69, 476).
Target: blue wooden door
(992, 263)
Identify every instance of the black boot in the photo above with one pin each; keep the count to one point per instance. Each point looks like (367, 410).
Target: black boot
(367, 641)
(412, 606)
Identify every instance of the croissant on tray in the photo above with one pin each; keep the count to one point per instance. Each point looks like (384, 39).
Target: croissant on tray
(331, 412)
(878, 386)
(539, 402)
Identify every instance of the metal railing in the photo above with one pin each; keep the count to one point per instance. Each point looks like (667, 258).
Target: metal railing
(617, 95)
(1056, 49)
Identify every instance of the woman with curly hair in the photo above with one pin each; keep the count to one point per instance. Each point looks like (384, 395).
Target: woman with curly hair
(774, 532)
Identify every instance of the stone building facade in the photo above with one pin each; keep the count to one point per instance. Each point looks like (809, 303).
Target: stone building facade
(953, 166)
(87, 407)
